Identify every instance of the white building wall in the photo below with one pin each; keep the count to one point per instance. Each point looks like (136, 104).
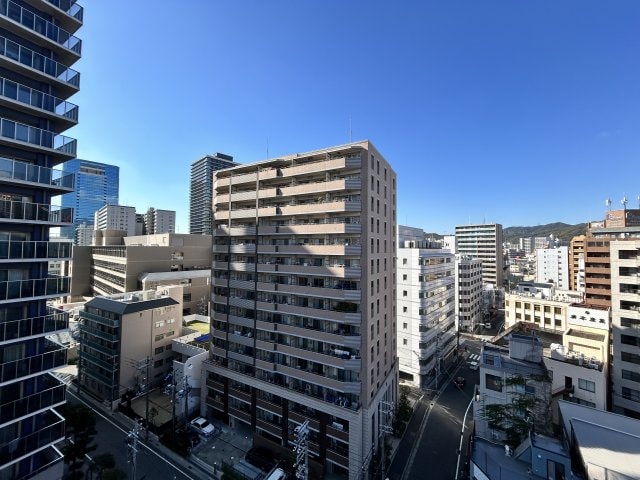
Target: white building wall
(552, 264)
(468, 293)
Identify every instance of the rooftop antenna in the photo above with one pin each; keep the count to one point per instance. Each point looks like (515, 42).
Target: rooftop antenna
(607, 202)
(624, 202)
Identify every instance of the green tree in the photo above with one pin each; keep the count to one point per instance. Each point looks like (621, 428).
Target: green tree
(80, 425)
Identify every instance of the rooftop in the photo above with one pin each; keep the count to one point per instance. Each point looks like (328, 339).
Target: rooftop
(491, 459)
(124, 305)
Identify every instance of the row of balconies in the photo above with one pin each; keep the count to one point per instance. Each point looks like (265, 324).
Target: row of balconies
(52, 356)
(42, 213)
(48, 428)
(336, 270)
(24, 60)
(26, 23)
(21, 173)
(289, 228)
(50, 286)
(72, 20)
(285, 210)
(15, 251)
(269, 173)
(37, 139)
(343, 184)
(50, 393)
(35, 326)
(306, 249)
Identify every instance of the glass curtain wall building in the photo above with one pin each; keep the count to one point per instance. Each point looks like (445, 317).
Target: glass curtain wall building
(38, 46)
(96, 185)
(201, 191)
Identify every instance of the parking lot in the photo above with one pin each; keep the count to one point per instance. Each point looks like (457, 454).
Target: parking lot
(226, 445)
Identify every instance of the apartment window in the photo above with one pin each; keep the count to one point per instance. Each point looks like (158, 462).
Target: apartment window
(404, 261)
(372, 333)
(158, 350)
(170, 321)
(631, 394)
(493, 382)
(404, 276)
(404, 341)
(586, 385)
(159, 337)
(404, 325)
(372, 232)
(631, 375)
(404, 293)
(629, 340)
(157, 363)
(160, 324)
(557, 310)
(630, 357)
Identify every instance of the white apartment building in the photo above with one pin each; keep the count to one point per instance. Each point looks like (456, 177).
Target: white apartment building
(159, 221)
(425, 309)
(468, 288)
(116, 217)
(483, 241)
(625, 323)
(303, 303)
(552, 265)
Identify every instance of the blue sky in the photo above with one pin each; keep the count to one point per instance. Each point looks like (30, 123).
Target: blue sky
(517, 112)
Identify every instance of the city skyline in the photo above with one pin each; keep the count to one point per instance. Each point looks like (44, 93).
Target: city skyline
(494, 112)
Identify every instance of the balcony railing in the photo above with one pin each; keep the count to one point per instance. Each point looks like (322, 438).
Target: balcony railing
(23, 445)
(29, 327)
(34, 250)
(53, 395)
(34, 22)
(37, 212)
(37, 287)
(37, 61)
(37, 99)
(96, 332)
(109, 322)
(53, 357)
(70, 7)
(37, 137)
(27, 172)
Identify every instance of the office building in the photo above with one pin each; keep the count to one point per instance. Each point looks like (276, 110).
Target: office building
(38, 49)
(425, 308)
(132, 263)
(116, 217)
(96, 185)
(159, 221)
(483, 241)
(118, 334)
(468, 287)
(552, 266)
(303, 303)
(201, 191)
(576, 263)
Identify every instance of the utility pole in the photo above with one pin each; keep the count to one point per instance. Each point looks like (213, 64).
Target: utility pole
(145, 365)
(301, 450)
(187, 389)
(385, 428)
(132, 449)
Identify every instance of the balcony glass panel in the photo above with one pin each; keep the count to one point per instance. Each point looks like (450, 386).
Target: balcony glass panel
(39, 287)
(28, 327)
(53, 429)
(38, 99)
(53, 392)
(40, 212)
(40, 25)
(35, 136)
(39, 62)
(70, 7)
(53, 356)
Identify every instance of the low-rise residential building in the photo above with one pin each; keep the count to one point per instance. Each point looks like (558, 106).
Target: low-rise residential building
(120, 335)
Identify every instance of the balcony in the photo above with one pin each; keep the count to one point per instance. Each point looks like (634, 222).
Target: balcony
(30, 251)
(53, 431)
(107, 322)
(52, 394)
(53, 356)
(68, 13)
(16, 57)
(96, 332)
(48, 287)
(42, 213)
(20, 135)
(275, 430)
(21, 173)
(35, 326)
(38, 30)
(29, 100)
(91, 358)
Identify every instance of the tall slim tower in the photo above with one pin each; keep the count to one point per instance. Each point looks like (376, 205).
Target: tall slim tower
(96, 185)
(483, 241)
(201, 191)
(38, 47)
(303, 302)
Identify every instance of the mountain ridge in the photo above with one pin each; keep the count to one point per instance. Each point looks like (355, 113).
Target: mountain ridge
(563, 231)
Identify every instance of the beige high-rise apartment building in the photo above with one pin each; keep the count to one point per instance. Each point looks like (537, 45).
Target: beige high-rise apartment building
(576, 263)
(483, 241)
(303, 295)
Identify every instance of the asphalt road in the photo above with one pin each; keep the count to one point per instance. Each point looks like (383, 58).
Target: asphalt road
(429, 449)
(111, 439)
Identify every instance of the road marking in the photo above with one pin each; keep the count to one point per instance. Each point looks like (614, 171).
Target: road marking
(474, 357)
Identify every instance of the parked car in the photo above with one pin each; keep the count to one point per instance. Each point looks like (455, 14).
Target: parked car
(202, 426)
(473, 365)
(459, 381)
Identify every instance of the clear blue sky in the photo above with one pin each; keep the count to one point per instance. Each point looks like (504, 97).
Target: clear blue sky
(517, 112)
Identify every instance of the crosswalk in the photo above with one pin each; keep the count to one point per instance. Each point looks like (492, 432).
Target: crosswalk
(474, 357)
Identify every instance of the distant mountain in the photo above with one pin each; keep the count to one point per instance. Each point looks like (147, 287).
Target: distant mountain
(563, 231)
